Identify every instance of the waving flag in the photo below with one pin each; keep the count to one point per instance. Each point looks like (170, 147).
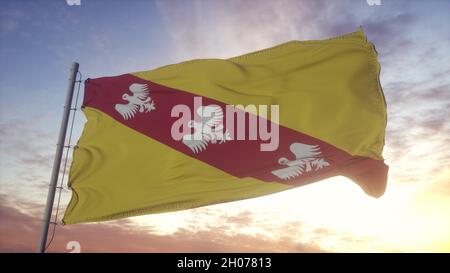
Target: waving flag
(162, 140)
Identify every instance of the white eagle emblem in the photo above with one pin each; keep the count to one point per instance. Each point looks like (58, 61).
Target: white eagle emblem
(307, 157)
(209, 130)
(139, 101)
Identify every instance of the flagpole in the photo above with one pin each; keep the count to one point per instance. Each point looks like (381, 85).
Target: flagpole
(58, 157)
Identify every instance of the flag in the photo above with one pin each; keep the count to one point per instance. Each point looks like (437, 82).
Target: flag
(209, 131)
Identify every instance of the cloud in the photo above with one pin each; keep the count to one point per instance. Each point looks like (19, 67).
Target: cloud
(27, 149)
(205, 29)
(388, 33)
(243, 219)
(227, 28)
(20, 228)
(409, 93)
(418, 129)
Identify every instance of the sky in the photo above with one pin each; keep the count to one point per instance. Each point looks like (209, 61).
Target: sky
(40, 39)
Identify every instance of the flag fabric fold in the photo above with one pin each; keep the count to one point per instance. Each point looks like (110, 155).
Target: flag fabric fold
(331, 121)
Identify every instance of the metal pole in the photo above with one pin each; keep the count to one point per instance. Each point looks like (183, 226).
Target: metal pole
(58, 156)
